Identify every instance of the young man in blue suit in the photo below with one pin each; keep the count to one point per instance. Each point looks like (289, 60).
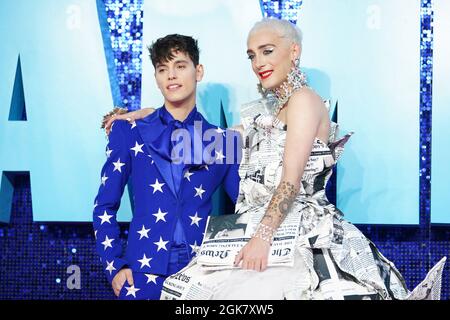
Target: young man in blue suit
(176, 160)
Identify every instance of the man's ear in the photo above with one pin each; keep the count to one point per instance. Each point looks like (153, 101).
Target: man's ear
(199, 72)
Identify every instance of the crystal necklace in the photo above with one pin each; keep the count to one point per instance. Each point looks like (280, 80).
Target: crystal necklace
(295, 80)
(281, 94)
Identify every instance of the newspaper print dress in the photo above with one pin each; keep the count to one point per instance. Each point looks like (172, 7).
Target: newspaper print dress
(333, 259)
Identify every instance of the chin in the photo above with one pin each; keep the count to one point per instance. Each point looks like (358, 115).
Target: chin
(271, 84)
(174, 98)
(268, 86)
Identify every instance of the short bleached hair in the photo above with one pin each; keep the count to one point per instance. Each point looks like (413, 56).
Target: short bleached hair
(284, 28)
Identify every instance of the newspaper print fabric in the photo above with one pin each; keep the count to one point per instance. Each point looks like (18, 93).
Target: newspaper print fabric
(333, 259)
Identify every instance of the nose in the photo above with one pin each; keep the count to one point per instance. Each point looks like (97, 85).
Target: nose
(172, 74)
(259, 62)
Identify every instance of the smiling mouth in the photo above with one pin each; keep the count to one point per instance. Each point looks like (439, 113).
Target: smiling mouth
(265, 74)
(173, 87)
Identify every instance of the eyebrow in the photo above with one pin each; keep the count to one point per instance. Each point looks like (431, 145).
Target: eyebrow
(262, 46)
(158, 65)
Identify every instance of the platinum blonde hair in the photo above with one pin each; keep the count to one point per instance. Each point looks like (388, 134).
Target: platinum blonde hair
(284, 28)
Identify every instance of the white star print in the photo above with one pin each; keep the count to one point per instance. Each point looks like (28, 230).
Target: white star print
(161, 244)
(157, 186)
(188, 175)
(108, 152)
(160, 215)
(131, 291)
(110, 266)
(133, 124)
(195, 219)
(194, 247)
(206, 167)
(118, 165)
(105, 217)
(219, 155)
(95, 204)
(104, 178)
(151, 278)
(153, 161)
(137, 148)
(107, 242)
(199, 191)
(143, 232)
(145, 261)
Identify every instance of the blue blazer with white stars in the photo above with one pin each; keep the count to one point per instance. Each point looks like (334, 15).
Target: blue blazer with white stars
(156, 203)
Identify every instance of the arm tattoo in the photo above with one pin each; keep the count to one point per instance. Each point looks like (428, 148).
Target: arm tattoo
(280, 204)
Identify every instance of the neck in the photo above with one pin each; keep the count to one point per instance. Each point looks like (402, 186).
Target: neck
(180, 111)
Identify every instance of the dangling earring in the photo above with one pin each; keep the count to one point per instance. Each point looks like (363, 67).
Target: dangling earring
(296, 78)
(296, 67)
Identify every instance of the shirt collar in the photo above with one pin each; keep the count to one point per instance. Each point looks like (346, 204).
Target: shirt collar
(167, 118)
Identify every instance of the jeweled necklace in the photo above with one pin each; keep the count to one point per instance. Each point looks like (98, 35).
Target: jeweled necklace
(281, 94)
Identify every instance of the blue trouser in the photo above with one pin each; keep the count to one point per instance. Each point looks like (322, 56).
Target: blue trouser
(148, 286)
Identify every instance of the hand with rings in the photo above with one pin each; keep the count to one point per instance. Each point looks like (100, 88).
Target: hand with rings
(123, 114)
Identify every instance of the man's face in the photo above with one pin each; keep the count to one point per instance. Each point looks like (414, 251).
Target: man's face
(177, 79)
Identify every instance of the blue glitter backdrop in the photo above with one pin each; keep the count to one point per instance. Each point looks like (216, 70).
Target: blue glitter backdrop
(35, 257)
(121, 23)
(281, 9)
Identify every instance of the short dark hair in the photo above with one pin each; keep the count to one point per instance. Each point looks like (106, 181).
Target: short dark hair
(163, 48)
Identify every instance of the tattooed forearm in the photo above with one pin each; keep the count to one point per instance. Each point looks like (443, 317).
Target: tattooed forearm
(280, 204)
(278, 208)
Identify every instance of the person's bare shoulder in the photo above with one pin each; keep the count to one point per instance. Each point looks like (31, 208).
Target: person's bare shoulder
(305, 101)
(305, 97)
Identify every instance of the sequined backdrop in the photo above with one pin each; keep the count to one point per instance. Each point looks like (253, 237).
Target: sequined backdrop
(35, 258)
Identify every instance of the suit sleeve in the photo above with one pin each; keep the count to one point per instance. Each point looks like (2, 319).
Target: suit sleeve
(231, 179)
(114, 177)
